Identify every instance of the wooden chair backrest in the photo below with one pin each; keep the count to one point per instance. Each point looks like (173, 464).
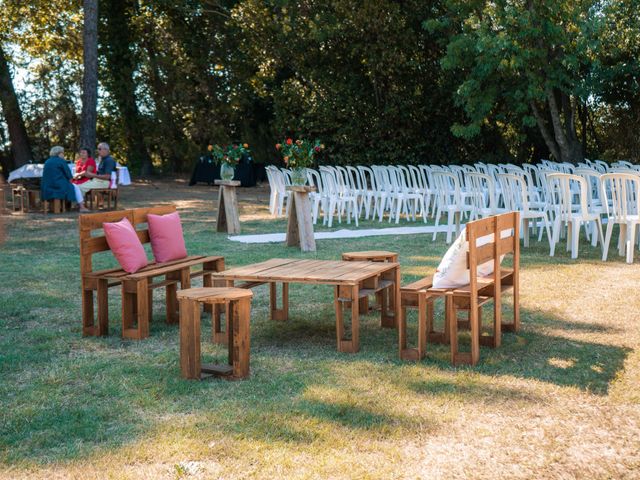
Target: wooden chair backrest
(91, 244)
(505, 229)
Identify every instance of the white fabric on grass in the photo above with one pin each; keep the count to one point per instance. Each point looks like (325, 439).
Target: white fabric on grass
(344, 233)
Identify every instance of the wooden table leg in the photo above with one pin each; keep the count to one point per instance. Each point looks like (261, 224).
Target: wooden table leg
(395, 293)
(281, 314)
(350, 293)
(190, 339)
(390, 307)
(241, 339)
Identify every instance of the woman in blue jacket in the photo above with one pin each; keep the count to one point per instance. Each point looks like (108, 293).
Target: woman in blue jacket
(56, 180)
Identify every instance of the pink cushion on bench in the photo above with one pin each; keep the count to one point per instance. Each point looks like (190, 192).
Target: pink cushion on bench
(125, 245)
(167, 241)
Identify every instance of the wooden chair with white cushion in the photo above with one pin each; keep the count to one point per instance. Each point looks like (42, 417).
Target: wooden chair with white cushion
(468, 277)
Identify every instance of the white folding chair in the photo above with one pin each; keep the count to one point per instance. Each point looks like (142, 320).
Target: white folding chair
(622, 192)
(516, 198)
(571, 213)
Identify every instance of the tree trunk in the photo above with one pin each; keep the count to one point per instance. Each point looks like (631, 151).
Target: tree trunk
(546, 134)
(90, 77)
(563, 144)
(121, 65)
(20, 147)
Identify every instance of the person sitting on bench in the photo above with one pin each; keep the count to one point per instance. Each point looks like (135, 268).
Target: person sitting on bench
(102, 178)
(84, 164)
(56, 180)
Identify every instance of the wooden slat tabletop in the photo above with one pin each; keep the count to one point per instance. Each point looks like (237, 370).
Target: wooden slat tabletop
(307, 271)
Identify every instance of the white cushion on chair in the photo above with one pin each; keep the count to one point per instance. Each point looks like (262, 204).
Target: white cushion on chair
(452, 271)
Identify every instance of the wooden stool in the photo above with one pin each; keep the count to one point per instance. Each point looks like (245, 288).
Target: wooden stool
(99, 196)
(228, 219)
(19, 198)
(238, 315)
(33, 198)
(57, 205)
(383, 299)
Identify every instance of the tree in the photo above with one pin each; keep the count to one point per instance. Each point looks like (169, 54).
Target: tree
(362, 76)
(90, 75)
(523, 62)
(121, 62)
(20, 147)
(617, 72)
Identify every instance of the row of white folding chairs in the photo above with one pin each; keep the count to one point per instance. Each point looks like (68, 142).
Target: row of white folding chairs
(380, 189)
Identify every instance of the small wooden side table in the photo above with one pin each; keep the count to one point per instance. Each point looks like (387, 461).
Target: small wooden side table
(299, 225)
(238, 315)
(228, 218)
(384, 298)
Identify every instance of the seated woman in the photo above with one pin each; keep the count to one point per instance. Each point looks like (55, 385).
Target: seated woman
(56, 180)
(84, 164)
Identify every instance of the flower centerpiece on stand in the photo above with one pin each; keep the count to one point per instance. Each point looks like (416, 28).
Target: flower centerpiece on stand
(299, 155)
(228, 157)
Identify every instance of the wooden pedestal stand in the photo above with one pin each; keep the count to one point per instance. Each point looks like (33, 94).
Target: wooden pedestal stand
(300, 226)
(228, 207)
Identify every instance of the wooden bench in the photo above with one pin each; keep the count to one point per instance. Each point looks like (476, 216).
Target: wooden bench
(137, 288)
(469, 298)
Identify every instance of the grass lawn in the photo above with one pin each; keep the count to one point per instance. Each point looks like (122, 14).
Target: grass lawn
(559, 399)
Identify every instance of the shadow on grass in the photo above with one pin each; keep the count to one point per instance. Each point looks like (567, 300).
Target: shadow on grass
(588, 366)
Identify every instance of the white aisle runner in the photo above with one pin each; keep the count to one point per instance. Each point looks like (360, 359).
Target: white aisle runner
(344, 233)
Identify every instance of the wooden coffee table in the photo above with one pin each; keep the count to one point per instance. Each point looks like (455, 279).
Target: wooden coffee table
(351, 281)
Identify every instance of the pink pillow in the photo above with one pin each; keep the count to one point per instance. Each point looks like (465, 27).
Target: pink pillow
(167, 241)
(125, 245)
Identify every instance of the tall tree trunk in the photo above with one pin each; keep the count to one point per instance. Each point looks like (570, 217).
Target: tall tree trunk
(563, 143)
(121, 65)
(20, 147)
(90, 77)
(546, 134)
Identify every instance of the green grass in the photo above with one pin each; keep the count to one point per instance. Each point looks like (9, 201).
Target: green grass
(558, 399)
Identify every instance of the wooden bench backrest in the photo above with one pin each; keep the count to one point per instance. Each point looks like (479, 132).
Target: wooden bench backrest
(92, 244)
(505, 229)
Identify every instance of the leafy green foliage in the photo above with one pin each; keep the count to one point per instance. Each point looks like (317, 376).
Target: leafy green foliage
(379, 81)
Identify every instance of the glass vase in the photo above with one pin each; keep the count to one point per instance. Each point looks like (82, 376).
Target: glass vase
(298, 176)
(226, 172)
